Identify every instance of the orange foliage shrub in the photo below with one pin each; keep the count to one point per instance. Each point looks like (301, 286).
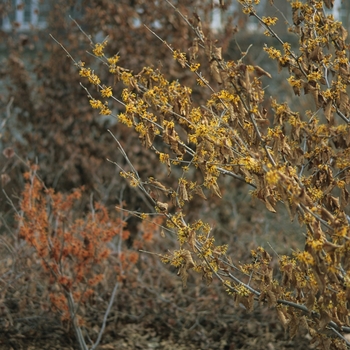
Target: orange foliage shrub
(73, 250)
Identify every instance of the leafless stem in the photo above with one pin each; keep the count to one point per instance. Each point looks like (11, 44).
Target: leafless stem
(77, 329)
(8, 113)
(105, 317)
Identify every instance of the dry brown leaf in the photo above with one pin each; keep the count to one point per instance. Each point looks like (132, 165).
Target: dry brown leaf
(192, 239)
(198, 190)
(293, 326)
(184, 275)
(5, 179)
(260, 72)
(214, 69)
(269, 207)
(282, 317)
(328, 112)
(217, 53)
(157, 184)
(215, 188)
(183, 192)
(193, 50)
(163, 207)
(189, 263)
(271, 298)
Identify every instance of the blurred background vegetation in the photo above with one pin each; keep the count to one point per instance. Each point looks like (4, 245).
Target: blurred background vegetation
(46, 119)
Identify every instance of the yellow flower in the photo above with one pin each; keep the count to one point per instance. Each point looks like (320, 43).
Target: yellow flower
(163, 157)
(96, 104)
(194, 66)
(125, 120)
(273, 53)
(242, 291)
(295, 82)
(98, 50)
(85, 72)
(247, 10)
(195, 115)
(269, 21)
(305, 257)
(134, 182)
(113, 69)
(126, 77)
(94, 79)
(297, 5)
(202, 82)
(272, 177)
(314, 76)
(106, 91)
(180, 57)
(286, 47)
(105, 110)
(113, 60)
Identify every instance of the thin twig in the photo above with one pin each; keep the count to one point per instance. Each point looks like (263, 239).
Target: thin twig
(64, 49)
(104, 322)
(8, 113)
(77, 329)
(340, 335)
(81, 29)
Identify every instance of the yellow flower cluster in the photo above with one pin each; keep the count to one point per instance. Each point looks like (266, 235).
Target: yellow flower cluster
(272, 177)
(113, 60)
(87, 73)
(269, 21)
(125, 120)
(99, 47)
(305, 257)
(295, 82)
(242, 290)
(105, 110)
(315, 75)
(227, 96)
(297, 5)
(133, 181)
(180, 57)
(126, 78)
(272, 52)
(194, 67)
(164, 157)
(202, 82)
(248, 10)
(97, 104)
(106, 91)
(94, 79)
(315, 193)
